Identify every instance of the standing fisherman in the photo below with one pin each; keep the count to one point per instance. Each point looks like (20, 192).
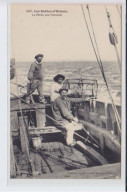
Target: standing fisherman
(36, 79)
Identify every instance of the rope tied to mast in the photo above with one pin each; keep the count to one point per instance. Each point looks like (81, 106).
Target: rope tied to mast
(113, 37)
(97, 54)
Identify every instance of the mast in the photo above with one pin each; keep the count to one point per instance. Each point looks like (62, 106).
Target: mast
(97, 54)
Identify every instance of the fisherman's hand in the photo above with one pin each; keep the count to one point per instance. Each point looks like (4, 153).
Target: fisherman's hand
(75, 119)
(87, 98)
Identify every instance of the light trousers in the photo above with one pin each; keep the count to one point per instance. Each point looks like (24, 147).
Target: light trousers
(70, 129)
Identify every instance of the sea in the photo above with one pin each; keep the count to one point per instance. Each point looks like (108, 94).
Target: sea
(76, 69)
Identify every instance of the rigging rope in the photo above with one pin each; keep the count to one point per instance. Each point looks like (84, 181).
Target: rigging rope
(102, 65)
(113, 38)
(23, 121)
(118, 11)
(95, 38)
(101, 68)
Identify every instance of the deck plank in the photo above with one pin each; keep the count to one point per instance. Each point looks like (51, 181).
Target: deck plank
(80, 157)
(52, 154)
(57, 157)
(110, 171)
(39, 163)
(70, 157)
(46, 150)
(61, 157)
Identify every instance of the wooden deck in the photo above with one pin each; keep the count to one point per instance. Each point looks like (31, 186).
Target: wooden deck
(55, 159)
(15, 106)
(65, 163)
(57, 156)
(110, 171)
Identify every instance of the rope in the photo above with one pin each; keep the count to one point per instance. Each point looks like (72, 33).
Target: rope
(54, 119)
(86, 140)
(118, 59)
(41, 154)
(102, 64)
(21, 86)
(90, 37)
(118, 11)
(90, 135)
(95, 39)
(25, 135)
(18, 85)
(102, 71)
(113, 38)
(22, 118)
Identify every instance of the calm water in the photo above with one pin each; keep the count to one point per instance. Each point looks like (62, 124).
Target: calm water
(88, 70)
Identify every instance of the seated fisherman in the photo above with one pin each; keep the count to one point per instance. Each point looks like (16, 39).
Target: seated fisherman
(58, 83)
(36, 79)
(64, 119)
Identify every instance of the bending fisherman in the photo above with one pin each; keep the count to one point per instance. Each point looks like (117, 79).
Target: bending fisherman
(36, 79)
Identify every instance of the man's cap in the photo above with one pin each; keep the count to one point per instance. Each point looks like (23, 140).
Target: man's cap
(58, 76)
(62, 89)
(38, 55)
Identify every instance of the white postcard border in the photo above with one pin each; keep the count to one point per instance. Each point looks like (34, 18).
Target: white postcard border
(54, 184)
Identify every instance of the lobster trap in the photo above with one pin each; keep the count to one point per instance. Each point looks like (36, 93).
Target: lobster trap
(82, 87)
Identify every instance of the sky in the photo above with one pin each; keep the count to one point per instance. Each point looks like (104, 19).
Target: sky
(61, 38)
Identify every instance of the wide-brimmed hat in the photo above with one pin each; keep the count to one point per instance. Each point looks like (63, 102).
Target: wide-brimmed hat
(58, 76)
(62, 89)
(38, 55)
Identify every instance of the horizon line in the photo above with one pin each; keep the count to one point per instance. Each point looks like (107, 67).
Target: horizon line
(68, 61)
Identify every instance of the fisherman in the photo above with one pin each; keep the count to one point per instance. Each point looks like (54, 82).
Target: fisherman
(61, 109)
(36, 79)
(58, 83)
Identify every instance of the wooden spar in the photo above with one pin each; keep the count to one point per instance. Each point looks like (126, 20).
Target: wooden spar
(23, 136)
(25, 142)
(12, 160)
(14, 120)
(41, 119)
(102, 143)
(13, 164)
(39, 151)
(91, 153)
(111, 141)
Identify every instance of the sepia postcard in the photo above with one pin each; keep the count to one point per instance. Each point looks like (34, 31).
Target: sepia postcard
(66, 73)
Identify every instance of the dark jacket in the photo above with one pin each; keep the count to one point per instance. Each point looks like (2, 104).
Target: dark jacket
(62, 110)
(35, 72)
